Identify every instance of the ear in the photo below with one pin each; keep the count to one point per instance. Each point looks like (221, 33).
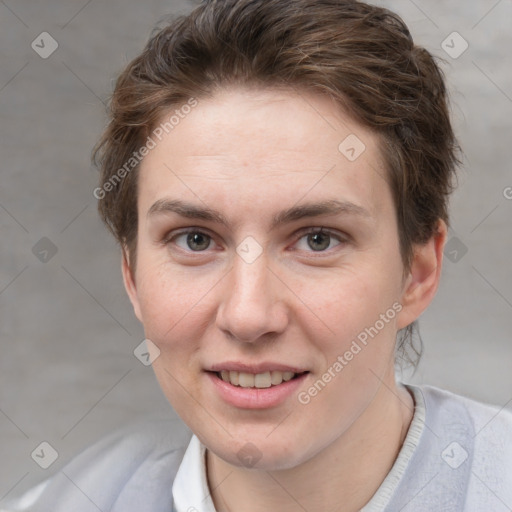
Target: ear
(129, 283)
(422, 282)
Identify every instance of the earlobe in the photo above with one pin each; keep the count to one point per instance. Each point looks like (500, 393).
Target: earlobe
(423, 280)
(130, 284)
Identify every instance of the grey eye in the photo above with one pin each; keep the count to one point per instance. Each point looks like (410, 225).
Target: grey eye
(319, 241)
(197, 241)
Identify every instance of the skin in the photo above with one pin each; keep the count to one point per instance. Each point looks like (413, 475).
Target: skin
(249, 154)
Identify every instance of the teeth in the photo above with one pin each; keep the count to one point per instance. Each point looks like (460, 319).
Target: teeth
(288, 375)
(276, 378)
(262, 380)
(246, 380)
(233, 378)
(258, 380)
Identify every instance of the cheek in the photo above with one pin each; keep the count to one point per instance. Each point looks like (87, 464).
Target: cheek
(360, 309)
(346, 303)
(167, 302)
(173, 312)
(357, 352)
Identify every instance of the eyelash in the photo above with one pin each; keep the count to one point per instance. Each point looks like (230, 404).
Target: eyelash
(341, 238)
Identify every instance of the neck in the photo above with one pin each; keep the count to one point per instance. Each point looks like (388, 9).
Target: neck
(350, 470)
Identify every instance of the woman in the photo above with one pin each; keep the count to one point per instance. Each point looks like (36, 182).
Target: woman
(277, 175)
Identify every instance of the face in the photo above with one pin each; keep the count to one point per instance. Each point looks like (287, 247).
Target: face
(263, 249)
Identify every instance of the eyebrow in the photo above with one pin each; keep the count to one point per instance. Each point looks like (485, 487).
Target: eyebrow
(192, 211)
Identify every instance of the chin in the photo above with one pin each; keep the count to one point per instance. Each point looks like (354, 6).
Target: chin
(262, 453)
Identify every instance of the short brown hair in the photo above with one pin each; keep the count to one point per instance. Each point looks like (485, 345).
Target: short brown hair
(360, 55)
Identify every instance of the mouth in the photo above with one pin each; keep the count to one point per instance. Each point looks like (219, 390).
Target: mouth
(262, 386)
(262, 380)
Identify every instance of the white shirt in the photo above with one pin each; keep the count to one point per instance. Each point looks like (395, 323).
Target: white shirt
(457, 456)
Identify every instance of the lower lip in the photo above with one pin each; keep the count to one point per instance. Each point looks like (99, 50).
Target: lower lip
(255, 398)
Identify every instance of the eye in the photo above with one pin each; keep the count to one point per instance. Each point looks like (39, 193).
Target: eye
(192, 240)
(319, 240)
(316, 240)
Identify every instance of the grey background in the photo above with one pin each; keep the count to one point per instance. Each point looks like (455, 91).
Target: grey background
(67, 370)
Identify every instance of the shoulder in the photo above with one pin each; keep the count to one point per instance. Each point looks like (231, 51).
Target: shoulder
(476, 435)
(485, 420)
(129, 468)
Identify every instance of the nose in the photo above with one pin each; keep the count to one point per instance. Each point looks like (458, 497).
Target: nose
(253, 304)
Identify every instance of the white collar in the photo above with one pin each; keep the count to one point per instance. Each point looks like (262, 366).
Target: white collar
(190, 488)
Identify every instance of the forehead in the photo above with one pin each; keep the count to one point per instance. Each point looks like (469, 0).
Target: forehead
(261, 143)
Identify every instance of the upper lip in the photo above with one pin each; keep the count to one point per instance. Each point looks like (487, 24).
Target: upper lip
(263, 367)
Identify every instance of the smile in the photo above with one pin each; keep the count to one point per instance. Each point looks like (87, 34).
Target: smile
(261, 390)
(256, 380)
